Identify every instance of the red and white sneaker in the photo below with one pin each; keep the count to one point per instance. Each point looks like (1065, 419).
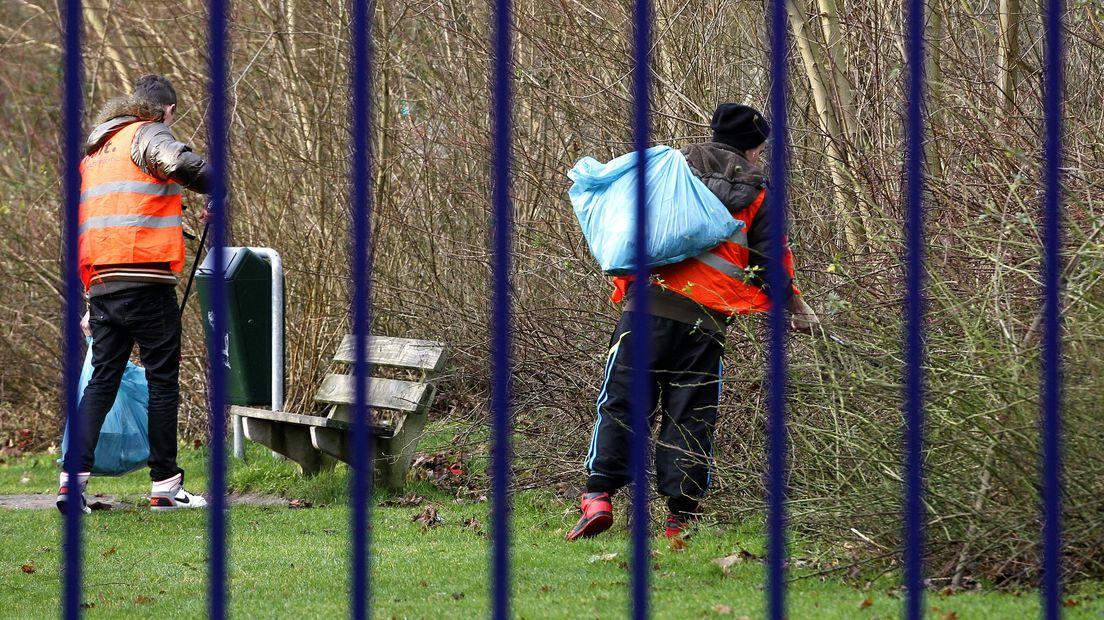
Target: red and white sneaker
(680, 524)
(63, 491)
(597, 516)
(169, 494)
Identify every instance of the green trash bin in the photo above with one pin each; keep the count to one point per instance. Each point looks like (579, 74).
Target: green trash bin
(247, 348)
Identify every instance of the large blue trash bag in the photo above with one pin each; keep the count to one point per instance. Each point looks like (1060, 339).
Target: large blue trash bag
(124, 438)
(684, 217)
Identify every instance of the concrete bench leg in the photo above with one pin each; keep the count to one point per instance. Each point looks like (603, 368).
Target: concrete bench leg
(393, 455)
(290, 440)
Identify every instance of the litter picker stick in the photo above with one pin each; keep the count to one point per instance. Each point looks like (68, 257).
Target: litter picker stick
(195, 265)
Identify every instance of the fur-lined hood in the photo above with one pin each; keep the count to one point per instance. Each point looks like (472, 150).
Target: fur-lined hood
(117, 113)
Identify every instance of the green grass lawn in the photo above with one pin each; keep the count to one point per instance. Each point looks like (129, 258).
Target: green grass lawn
(294, 563)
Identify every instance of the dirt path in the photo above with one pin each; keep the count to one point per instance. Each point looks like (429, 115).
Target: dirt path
(45, 501)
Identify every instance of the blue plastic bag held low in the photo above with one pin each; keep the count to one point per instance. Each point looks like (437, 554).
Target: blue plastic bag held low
(124, 439)
(684, 217)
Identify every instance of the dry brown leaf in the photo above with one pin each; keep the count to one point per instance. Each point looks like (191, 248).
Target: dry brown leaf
(727, 561)
(143, 600)
(722, 609)
(679, 544)
(950, 615)
(428, 517)
(866, 602)
(28, 568)
(1069, 602)
(110, 552)
(404, 502)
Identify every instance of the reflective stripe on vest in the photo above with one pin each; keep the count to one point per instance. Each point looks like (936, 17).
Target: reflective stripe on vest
(131, 187)
(731, 270)
(140, 221)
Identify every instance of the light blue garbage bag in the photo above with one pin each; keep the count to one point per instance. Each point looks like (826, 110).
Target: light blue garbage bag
(124, 438)
(684, 217)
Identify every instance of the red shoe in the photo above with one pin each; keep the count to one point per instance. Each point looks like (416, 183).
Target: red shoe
(597, 516)
(679, 523)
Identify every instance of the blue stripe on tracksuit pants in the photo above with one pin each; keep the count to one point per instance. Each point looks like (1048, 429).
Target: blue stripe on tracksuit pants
(686, 372)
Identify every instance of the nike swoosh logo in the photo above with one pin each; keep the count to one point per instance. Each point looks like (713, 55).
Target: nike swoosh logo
(183, 500)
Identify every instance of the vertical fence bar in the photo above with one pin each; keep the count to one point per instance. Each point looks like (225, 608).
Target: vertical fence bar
(913, 535)
(641, 347)
(1052, 323)
(361, 196)
(71, 183)
(216, 124)
(500, 363)
(778, 284)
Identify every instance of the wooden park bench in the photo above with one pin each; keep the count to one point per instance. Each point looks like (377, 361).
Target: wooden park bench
(399, 407)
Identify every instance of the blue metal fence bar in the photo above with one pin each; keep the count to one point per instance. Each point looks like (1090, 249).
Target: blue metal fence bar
(360, 194)
(71, 182)
(217, 138)
(500, 362)
(641, 347)
(1052, 323)
(913, 535)
(778, 283)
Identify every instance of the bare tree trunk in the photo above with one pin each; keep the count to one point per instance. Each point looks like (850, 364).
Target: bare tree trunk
(835, 133)
(1008, 57)
(98, 39)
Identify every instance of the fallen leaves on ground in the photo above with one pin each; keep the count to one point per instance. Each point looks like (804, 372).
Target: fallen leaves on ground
(28, 568)
(602, 557)
(143, 600)
(406, 501)
(950, 615)
(110, 552)
(866, 602)
(722, 609)
(296, 504)
(679, 544)
(428, 517)
(472, 524)
(728, 561)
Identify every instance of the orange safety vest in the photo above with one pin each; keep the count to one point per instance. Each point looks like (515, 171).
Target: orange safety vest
(126, 216)
(715, 279)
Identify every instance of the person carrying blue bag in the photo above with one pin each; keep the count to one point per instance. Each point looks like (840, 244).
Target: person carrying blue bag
(690, 301)
(130, 248)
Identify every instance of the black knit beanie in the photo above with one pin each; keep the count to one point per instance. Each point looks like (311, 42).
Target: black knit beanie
(739, 126)
(156, 89)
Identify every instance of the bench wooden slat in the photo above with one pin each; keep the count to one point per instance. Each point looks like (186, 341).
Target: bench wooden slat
(421, 355)
(381, 424)
(393, 394)
(293, 418)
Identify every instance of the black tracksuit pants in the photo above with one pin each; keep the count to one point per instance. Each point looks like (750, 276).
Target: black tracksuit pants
(150, 317)
(686, 364)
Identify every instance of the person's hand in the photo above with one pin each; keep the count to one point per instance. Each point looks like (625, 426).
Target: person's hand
(802, 317)
(86, 325)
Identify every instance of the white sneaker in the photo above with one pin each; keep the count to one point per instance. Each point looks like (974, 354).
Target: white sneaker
(63, 491)
(169, 494)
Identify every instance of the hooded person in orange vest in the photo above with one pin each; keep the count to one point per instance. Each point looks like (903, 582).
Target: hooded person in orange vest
(690, 305)
(130, 248)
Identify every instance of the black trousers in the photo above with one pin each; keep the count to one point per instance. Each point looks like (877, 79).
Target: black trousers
(686, 364)
(150, 317)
